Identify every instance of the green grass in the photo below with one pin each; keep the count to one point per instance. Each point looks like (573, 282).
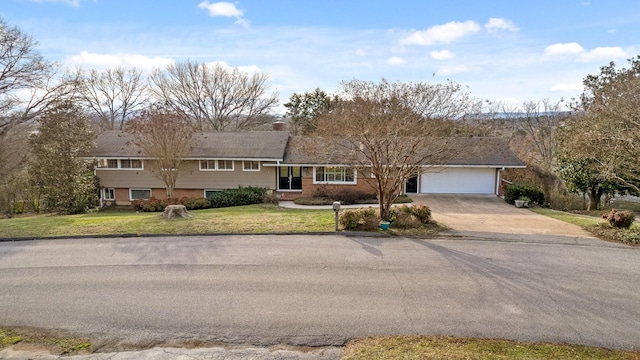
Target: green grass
(595, 225)
(428, 347)
(55, 342)
(242, 219)
(584, 221)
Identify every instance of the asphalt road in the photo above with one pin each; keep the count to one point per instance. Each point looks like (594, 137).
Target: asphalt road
(322, 290)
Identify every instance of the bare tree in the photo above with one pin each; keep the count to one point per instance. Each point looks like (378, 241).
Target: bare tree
(21, 68)
(391, 130)
(215, 97)
(113, 95)
(165, 137)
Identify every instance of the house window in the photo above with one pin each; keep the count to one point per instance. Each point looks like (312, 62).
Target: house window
(208, 193)
(212, 165)
(120, 164)
(135, 194)
(130, 164)
(108, 194)
(225, 164)
(251, 165)
(334, 175)
(207, 164)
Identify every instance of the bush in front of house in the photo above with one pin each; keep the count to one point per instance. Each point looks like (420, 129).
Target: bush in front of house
(346, 196)
(621, 219)
(512, 192)
(237, 197)
(365, 219)
(408, 217)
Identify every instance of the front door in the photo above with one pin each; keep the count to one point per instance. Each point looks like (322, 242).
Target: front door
(290, 178)
(411, 187)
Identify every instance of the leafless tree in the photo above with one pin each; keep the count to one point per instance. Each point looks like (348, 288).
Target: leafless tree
(113, 95)
(165, 137)
(214, 96)
(391, 130)
(22, 69)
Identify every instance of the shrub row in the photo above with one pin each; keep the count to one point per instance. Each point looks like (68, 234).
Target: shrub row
(366, 219)
(514, 191)
(225, 198)
(345, 196)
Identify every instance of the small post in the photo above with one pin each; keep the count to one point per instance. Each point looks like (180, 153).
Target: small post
(336, 209)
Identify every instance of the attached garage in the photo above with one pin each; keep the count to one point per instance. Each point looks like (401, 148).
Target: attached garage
(459, 180)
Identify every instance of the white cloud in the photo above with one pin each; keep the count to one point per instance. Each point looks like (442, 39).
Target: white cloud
(396, 60)
(497, 25)
(74, 3)
(225, 9)
(611, 31)
(604, 54)
(596, 54)
(361, 52)
(103, 61)
(561, 49)
(442, 55)
(442, 34)
(566, 87)
(456, 69)
(251, 69)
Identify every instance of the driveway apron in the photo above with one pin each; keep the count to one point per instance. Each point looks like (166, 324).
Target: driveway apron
(490, 217)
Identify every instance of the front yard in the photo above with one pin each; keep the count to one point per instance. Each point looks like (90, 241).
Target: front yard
(260, 218)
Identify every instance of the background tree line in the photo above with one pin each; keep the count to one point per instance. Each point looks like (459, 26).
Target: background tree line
(588, 145)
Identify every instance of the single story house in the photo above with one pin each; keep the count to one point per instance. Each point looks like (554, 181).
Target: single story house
(278, 161)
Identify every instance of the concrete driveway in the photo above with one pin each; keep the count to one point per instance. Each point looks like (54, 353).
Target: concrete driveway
(489, 214)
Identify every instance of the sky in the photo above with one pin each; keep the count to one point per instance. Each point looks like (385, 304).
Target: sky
(508, 51)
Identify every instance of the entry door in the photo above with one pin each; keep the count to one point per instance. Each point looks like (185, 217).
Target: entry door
(411, 187)
(290, 178)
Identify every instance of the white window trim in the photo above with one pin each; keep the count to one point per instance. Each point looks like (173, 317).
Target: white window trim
(244, 168)
(217, 168)
(354, 182)
(122, 168)
(131, 197)
(209, 190)
(104, 194)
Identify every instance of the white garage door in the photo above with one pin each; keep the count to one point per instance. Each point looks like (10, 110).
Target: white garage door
(458, 181)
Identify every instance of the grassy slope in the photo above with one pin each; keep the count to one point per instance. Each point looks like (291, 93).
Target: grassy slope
(242, 219)
(427, 347)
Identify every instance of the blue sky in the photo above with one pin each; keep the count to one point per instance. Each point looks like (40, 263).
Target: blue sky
(505, 51)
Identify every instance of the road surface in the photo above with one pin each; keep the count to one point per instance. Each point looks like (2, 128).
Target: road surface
(322, 290)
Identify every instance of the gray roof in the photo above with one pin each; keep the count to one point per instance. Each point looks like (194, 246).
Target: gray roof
(263, 145)
(303, 150)
(464, 151)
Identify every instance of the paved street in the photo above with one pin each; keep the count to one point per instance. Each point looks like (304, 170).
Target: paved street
(322, 290)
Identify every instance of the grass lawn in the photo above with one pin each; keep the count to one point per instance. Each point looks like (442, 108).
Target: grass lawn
(260, 218)
(241, 219)
(427, 347)
(595, 225)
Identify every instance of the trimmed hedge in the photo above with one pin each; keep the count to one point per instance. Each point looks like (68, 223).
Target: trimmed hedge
(237, 197)
(513, 192)
(225, 198)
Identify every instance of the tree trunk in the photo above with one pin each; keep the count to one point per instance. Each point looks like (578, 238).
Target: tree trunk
(172, 211)
(594, 199)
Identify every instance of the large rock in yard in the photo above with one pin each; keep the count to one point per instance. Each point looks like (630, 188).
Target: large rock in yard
(172, 211)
